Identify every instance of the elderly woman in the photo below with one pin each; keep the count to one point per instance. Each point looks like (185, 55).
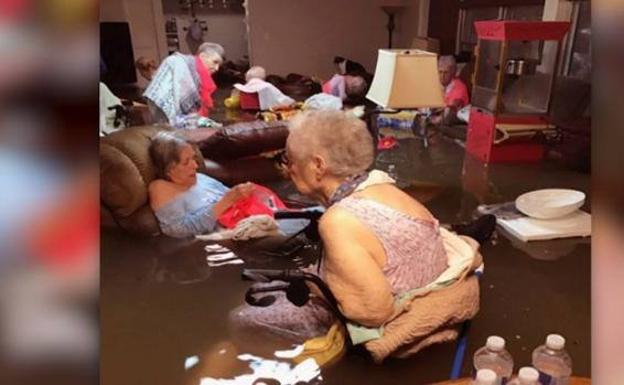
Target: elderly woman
(378, 241)
(269, 96)
(183, 84)
(186, 203)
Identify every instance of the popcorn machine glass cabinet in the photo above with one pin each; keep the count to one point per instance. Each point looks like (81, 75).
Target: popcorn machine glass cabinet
(513, 78)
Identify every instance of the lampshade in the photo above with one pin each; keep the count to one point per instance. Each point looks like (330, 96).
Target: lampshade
(406, 78)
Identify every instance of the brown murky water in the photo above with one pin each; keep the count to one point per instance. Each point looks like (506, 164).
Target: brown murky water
(161, 303)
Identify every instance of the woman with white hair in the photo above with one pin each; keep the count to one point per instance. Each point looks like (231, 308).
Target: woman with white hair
(268, 95)
(183, 84)
(378, 241)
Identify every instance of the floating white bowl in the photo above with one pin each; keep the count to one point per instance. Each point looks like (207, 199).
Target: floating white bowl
(550, 203)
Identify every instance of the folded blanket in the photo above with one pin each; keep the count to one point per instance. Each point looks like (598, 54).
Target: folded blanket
(432, 315)
(255, 226)
(430, 319)
(174, 88)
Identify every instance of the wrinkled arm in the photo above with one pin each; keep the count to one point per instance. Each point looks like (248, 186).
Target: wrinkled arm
(360, 287)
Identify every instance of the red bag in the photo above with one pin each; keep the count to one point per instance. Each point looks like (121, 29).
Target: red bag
(261, 201)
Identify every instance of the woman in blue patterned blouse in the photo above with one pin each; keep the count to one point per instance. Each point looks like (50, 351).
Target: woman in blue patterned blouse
(186, 203)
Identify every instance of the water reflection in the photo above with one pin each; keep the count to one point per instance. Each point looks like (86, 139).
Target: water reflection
(179, 270)
(550, 250)
(263, 370)
(267, 371)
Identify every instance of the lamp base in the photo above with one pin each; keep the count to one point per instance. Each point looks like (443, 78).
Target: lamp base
(391, 10)
(421, 129)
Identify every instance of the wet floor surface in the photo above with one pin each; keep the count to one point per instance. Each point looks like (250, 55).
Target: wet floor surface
(161, 303)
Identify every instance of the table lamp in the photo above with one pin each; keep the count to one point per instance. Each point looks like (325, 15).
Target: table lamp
(407, 79)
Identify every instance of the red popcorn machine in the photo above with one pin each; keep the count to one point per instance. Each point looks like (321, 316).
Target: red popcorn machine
(515, 72)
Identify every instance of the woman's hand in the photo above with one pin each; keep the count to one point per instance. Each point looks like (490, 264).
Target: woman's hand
(240, 191)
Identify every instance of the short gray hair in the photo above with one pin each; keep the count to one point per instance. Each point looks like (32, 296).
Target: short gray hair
(211, 49)
(339, 137)
(165, 149)
(255, 72)
(447, 60)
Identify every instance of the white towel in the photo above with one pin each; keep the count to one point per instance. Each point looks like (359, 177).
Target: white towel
(375, 177)
(268, 95)
(255, 226)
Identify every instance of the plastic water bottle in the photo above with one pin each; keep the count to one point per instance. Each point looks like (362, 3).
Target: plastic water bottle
(552, 361)
(493, 356)
(526, 376)
(485, 377)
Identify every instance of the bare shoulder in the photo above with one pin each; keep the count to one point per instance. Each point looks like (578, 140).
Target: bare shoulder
(160, 192)
(338, 221)
(397, 199)
(158, 186)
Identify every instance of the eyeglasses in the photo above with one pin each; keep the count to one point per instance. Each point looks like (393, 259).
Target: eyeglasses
(283, 160)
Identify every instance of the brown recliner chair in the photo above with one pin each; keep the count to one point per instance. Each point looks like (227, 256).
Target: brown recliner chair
(231, 156)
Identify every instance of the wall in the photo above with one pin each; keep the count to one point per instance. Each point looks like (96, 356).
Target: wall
(229, 30)
(113, 10)
(411, 23)
(303, 36)
(284, 36)
(146, 22)
(555, 10)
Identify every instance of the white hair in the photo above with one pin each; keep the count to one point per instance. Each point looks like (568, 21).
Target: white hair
(355, 86)
(447, 60)
(211, 49)
(339, 137)
(255, 72)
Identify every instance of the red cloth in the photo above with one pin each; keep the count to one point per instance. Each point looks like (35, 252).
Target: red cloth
(249, 101)
(327, 87)
(386, 143)
(259, 202)
(207, 87)
(456, 90)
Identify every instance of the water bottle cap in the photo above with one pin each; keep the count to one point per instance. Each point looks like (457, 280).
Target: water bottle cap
(528, 375)
(555, 341)
(495, 343)
(486, 377)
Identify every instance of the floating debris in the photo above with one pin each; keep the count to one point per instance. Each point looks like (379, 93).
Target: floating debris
(190, 362)
(289, 353)
(267, 370)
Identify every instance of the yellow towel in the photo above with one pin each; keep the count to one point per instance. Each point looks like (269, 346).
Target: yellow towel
(325, 349)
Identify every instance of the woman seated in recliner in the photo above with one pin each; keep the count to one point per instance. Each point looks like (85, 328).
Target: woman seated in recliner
(185, 202)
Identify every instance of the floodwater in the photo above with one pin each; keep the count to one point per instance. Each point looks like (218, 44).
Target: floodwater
(163, 307)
